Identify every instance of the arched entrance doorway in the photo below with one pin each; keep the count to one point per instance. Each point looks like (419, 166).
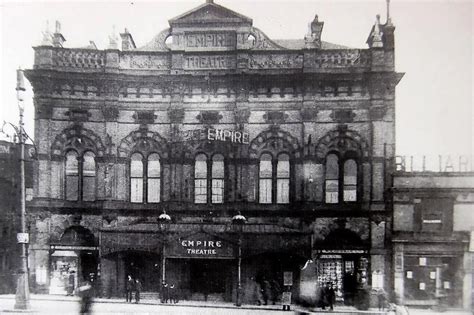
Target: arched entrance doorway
(73, 260)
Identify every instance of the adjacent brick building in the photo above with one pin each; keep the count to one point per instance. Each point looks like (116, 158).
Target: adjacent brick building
(433, 220)
(210, 119)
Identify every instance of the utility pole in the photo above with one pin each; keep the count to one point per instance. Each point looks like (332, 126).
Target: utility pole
(22, 298)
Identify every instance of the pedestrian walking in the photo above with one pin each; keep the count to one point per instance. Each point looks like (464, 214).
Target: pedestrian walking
(138, 289)
(129, 289)
(173, 294)
(266, 291)
(164, 292)
(85, 292)
(331, 296)
(382, 299)
(275, 288)
(71, 283)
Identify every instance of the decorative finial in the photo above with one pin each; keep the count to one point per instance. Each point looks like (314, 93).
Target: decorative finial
(377, 34)
(113, 39)
(389, 19)
(47, 37)
(58, 27)
(209, 1)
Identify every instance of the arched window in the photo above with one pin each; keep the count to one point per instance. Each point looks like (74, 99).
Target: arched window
(350, 180)
(283, 178)
(153, 178)
(80, 176)
(88, 176)
(72, 176)
(200, 179)
(332, 178)
(265, 178)
(341, 179)
(217, 179)
(136, 178)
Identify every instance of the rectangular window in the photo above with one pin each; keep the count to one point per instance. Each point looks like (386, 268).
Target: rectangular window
(153, 190)
(283, 190)
(200, 190)
(332, 188)
(136, 189)
(217, 191)
(72, 185)
(88, 188)
(265, 191)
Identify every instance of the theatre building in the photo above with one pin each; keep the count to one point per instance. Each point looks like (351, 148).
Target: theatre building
(212, 156)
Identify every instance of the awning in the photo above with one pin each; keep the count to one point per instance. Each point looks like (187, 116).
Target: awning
(256, 239)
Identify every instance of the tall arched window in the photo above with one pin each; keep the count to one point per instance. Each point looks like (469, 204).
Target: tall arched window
(80, 176)
(88, 176)
(217, 178)
(153, 178)
(72, 176)
(283, 178)
(136, 178)
(200, 179)
(265, 178)
(350, 180)
(332, 178)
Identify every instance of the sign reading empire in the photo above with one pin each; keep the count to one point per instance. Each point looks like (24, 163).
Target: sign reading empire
(215, 134)
(200, 246)
(209, 40)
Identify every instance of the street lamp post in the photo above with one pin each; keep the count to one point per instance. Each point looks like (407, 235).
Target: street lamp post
(164, 220)
(239, 221)
(22, 298)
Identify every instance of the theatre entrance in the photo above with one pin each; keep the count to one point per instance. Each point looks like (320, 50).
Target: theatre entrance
(144, 266)
(202, 279)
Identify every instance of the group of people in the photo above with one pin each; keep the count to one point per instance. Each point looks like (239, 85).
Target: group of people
(327, 296)
(169, 293)
(132, 286)
(261, 292)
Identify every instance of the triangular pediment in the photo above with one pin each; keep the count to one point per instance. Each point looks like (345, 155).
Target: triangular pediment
(210, 13)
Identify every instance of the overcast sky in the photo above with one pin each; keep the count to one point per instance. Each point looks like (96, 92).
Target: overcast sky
(434, 48)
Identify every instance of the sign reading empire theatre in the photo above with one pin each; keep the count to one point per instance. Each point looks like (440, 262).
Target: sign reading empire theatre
(214, 134)
(200, 246)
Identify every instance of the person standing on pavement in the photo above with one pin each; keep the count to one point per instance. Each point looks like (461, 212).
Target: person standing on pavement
(85, 292)
(331, 296)
(164, 292)
(138, 289)
(129, 289)
(71, 283)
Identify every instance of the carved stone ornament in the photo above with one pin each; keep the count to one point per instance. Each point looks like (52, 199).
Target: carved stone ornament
(275, 117)
(110, 113)
(242, 115)
(343, 115)
(377, 113)
(176, 115)
(309, 114)
(209, 117)
(144, 117)
(78, 114)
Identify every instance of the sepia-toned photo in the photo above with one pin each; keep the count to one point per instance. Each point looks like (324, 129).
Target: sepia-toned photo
(237, 157)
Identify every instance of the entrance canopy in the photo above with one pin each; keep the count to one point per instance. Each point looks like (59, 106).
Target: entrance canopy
(218, 241)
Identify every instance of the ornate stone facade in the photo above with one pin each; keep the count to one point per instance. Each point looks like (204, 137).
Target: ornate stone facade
(278, 116)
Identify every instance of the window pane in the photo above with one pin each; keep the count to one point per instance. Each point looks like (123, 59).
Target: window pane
(72, 164)
(218, 166)
(136, 190)
(332, 189)
(200, 166)
(88, 168)
(350, 180)
(265, 194)
(217, 191)
(88, 188)
(266, 166)
(283, 190)
(154, 166)
(136, 165)
(332, 167)
(283, 166)
(154, 190)
(350, 172)
(72, 185)
(200, 191)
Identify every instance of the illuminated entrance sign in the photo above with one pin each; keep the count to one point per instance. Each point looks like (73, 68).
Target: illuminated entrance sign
(201, 247)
